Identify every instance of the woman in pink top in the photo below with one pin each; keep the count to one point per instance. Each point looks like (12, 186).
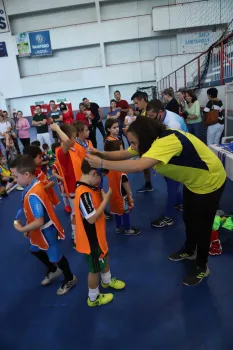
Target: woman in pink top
(23, 127)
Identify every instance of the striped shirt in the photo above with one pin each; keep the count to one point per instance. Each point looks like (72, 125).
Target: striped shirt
(217, 105)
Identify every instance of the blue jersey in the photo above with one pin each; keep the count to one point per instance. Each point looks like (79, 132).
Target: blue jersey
(174, 121)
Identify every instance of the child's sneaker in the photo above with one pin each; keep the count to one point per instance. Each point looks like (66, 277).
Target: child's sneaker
(102, 299)
(66, 286)
(68, 209)
(119, 229)
(133, 231)
(51, 276)
(19, 188)
(115, 284)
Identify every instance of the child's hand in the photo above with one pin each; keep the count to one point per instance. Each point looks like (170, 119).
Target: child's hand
(106, 196)
(18, 226)
(54, 127)
(130, 199)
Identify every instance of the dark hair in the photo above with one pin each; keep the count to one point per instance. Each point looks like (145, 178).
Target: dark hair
(23, 163)
(212, 92)
(182, 91)
(155, 105)
(169, 92)
(79, 126)
(111, 146)
(85, 98)
(4, 112)
(192, 94)
(111, 102)
(109, 123)
(54, 146)
(140, 95)
(82, 104)
(68, 129)
(117, 91)
(86, 168)
(38, 106)
(35, 143)
(51, 101)
(45, 146)
(147, 131)
(19, 112)
(32, 151)
(63, 104)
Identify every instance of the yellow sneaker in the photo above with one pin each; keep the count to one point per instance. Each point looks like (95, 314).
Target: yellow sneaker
(115, 284)
(102, 299)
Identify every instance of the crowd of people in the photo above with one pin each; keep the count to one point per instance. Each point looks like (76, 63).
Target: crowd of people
(161, 135)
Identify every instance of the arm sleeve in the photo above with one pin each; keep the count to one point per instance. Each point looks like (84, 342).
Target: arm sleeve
(36, 206)
(124, 178)
(207, 107)
(86, 205)
(164, 149)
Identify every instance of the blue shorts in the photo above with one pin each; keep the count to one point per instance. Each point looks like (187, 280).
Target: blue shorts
(54, 250)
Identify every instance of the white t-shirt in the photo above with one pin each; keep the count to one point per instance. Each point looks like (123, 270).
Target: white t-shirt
(4, 128)
(130, 119)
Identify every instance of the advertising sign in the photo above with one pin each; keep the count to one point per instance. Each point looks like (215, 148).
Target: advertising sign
(3, 50)
(40, 43)
(3, 20)
(23, 46)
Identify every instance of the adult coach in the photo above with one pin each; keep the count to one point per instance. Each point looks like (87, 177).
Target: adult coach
(40, 122)
(97, 121)
(185, 159)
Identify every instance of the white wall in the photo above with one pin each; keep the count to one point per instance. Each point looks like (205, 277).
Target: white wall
(97, 47)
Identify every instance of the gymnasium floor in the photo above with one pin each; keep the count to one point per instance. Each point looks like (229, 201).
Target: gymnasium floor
(155, 312)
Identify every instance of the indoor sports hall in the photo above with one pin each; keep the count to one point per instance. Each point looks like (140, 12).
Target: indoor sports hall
(136, 96)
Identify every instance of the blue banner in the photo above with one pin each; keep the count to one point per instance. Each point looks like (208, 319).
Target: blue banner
(40, 43)
(3, 50)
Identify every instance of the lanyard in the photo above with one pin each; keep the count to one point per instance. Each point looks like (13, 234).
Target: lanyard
(83, 143)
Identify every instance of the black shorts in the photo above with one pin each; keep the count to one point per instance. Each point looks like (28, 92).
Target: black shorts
(55, 135)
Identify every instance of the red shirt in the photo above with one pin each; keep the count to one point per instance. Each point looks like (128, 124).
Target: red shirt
(68, 170)
(68, 117)
(80, 117)
(123, 105)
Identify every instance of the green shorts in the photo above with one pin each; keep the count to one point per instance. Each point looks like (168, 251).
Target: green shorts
(95, 264)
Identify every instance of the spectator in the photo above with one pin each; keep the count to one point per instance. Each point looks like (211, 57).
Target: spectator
(40, 122)
(130, 117)
(171, 103)
(55, 116)
(140, 100)
(23, 126)
(84, 115)
(193, 113)
(122, 104)
(214, 132)
(182, 103)
(67, 114)
(97, 121)
(13, 134)
(11, 151)
(5, 127)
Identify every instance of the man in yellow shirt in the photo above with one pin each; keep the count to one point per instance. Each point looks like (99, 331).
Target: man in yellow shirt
(184, 158)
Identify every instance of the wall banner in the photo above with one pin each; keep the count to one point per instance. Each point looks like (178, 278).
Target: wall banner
(3, 19)
(40, 43)
(23, 46)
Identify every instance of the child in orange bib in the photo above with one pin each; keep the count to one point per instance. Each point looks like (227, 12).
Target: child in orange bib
(112, 131)
(82, 145)
(43, 227)
(58, 173)
(36, 153)
(91, 234)
(121, 201)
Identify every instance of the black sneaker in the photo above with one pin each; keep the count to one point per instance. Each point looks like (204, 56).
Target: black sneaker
(163, 221)
(133, 231)
(3, 194)
(66, 286)
(196, 276)
(145, 188)
(181, 255)
(179, 207)
(107, 215)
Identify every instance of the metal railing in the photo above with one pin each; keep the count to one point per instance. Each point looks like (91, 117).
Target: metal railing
(190, 75)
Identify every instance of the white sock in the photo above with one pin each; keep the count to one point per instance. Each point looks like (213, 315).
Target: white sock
(106, 277)
(73, 231)
(65, 201)
(93, 293)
